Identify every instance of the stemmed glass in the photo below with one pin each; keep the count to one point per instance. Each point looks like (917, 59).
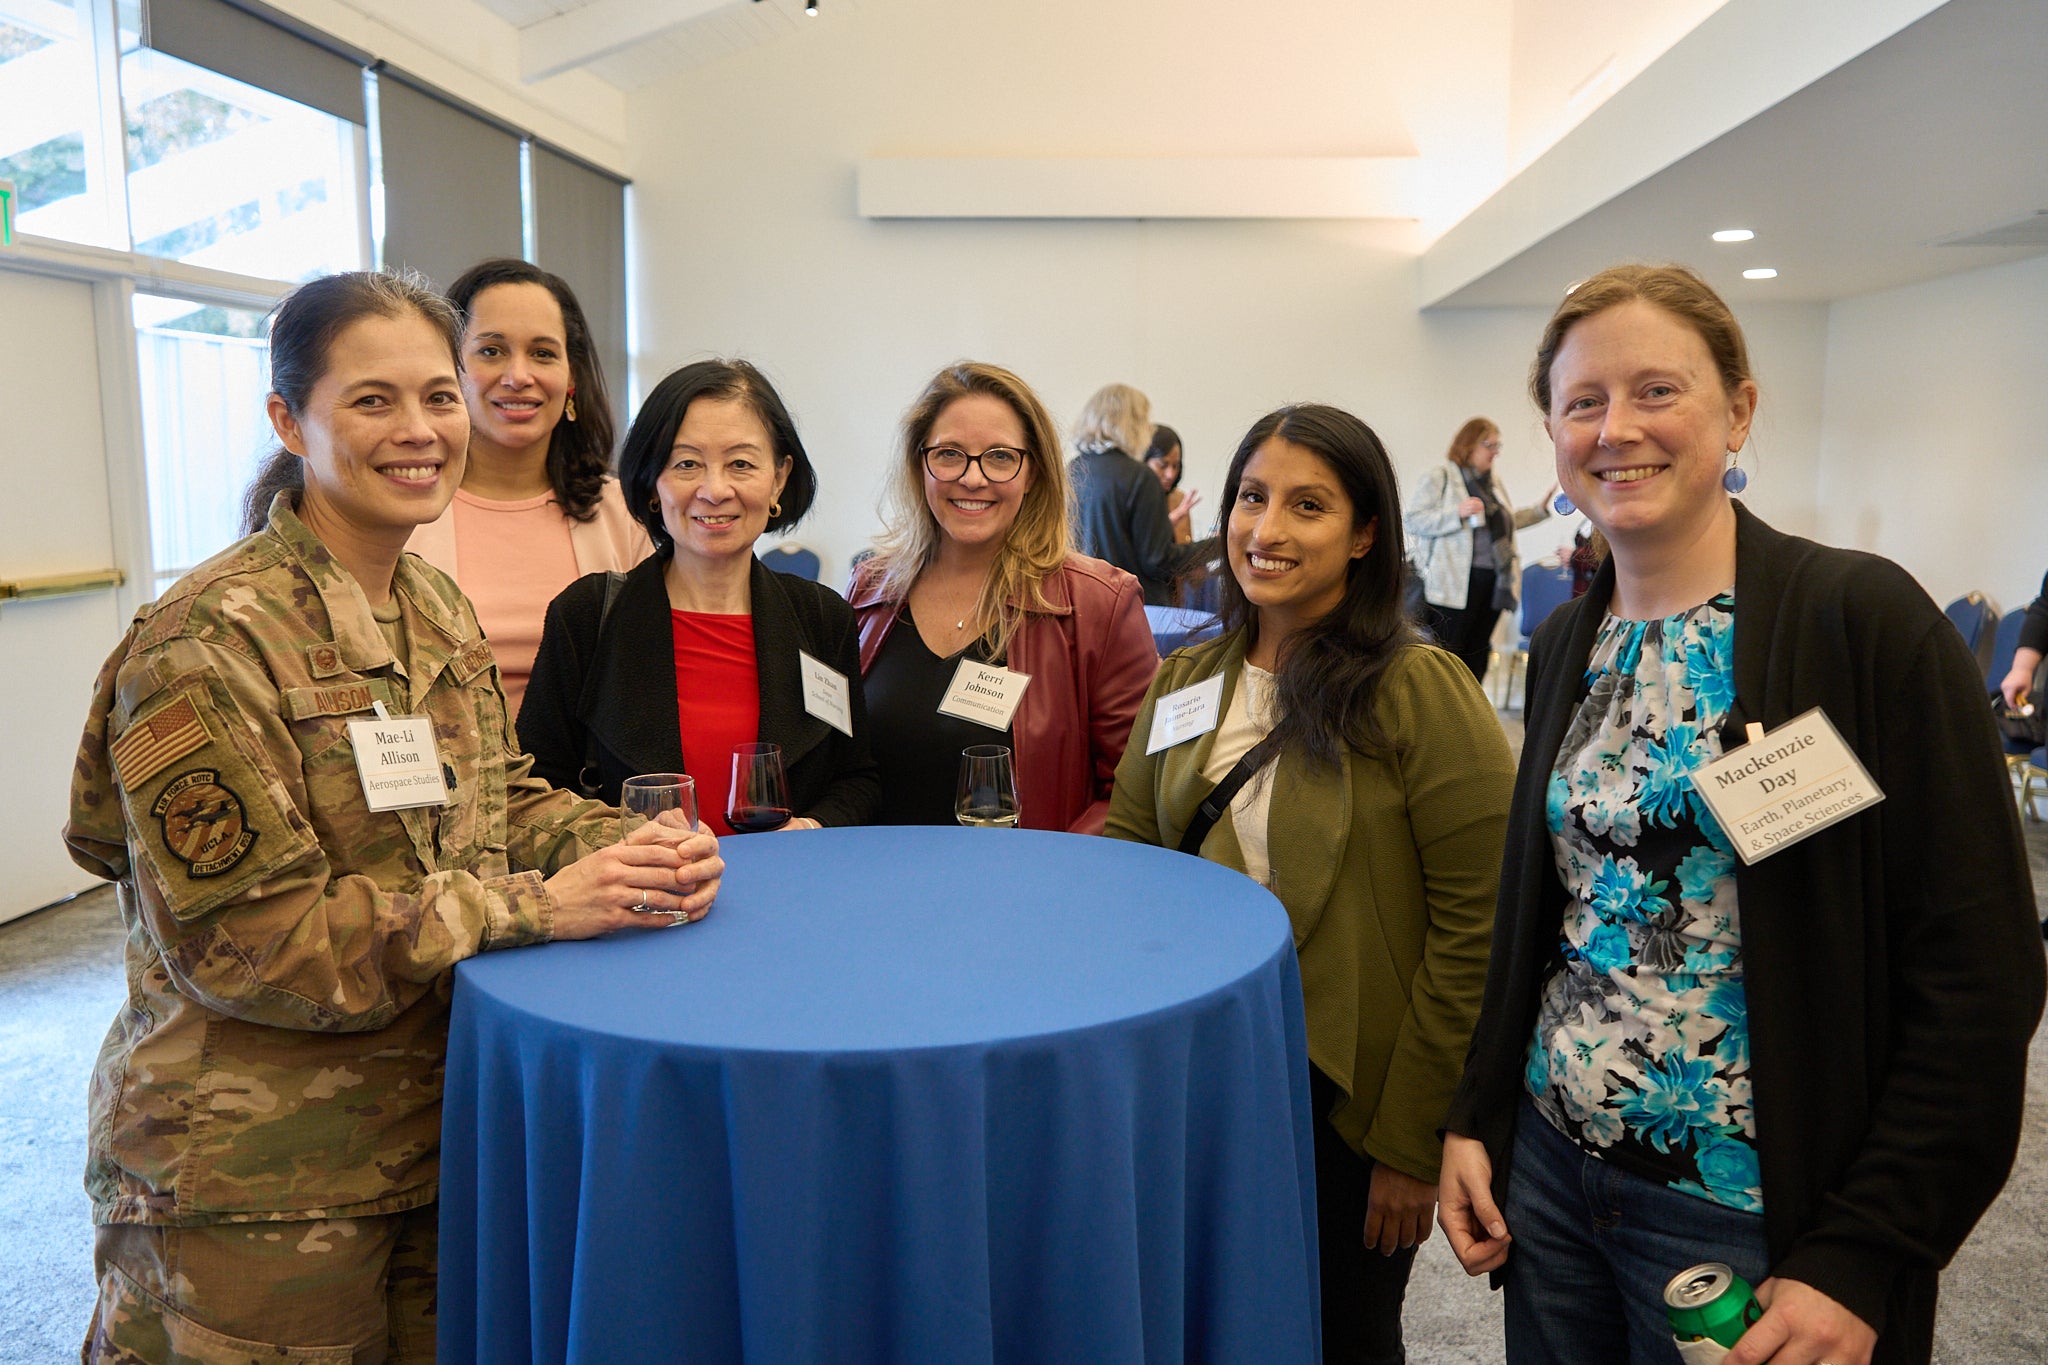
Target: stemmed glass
(759, 796)
(643, 798)
(988, 788)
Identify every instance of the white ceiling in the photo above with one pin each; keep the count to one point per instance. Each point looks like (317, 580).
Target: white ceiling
(1938, 131)
(662, 37)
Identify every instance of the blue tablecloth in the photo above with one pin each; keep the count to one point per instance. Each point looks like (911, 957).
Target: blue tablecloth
(907, 1095)
(1173, 627)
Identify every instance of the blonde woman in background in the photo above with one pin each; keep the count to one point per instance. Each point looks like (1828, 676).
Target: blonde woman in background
(1120, 509)
(1461, 529)
(976, 562)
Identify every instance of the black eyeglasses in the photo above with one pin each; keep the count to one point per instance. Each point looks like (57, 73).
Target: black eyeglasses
(999, 464)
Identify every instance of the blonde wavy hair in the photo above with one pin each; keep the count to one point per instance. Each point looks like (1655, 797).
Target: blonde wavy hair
(1117, 417)
(1037, 543)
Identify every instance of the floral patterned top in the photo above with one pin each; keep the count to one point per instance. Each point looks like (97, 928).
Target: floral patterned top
(1641, 1049)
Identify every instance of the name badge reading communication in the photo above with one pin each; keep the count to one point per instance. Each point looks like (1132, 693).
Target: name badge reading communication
(825, 694)
(1782, 786)
(984, 694)
(399, 763)
(1182, 715)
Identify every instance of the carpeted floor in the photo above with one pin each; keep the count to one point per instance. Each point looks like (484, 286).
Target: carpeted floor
(60, 982)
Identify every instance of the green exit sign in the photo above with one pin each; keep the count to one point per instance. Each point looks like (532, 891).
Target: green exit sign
(6, 213)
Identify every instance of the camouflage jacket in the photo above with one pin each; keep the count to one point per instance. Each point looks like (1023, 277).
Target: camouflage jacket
(280, 1052)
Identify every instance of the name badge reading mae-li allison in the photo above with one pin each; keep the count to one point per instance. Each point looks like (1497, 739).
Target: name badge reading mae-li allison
(1782, 786)
(984, 694)
(398, 761)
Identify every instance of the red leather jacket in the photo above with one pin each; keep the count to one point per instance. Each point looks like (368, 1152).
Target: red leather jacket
(1090, 659)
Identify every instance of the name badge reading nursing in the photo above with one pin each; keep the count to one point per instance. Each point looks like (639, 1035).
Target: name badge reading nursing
(825, 694)
(398, 761)
(1782, 786)
(984, 694)
(1184, 714)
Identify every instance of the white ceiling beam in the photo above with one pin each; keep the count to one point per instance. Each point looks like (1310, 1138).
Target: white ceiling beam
(1140, 187)
(582, 36)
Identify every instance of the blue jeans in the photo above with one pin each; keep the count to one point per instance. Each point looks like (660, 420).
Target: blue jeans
(1594, 1246)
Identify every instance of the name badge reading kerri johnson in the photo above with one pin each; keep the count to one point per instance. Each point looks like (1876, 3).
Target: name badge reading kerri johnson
(984, 694)
(1182, 715)
(397, 759)
(825, 694)
(1782, 786)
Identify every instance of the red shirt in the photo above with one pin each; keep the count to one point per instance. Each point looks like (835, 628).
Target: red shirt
(718, 702)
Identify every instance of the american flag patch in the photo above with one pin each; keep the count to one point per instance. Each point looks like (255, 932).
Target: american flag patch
(162, 737)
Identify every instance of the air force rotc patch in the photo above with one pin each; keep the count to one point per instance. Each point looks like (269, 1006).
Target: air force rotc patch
(202, 823)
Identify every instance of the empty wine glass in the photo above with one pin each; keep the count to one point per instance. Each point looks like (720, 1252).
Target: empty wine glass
(759, 796)
(988, 788)
(643, 798)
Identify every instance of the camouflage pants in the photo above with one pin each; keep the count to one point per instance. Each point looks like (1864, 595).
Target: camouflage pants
(345, 1291)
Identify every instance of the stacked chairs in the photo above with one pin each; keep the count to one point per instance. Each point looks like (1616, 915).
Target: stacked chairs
(1545, 588)
(794, 559)
(1976, 616)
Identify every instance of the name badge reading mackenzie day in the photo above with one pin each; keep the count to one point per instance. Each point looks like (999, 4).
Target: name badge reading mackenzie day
(398, 762)
(984, 694)
(1184, 714)
(1782, 786)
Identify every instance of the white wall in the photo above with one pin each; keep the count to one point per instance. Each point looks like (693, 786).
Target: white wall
(1937, 413)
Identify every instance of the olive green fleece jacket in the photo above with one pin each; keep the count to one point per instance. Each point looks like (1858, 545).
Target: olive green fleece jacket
(1388, 869)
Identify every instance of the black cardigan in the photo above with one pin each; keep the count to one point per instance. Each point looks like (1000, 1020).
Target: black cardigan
(623, 687)
(1120, 515)
(1893, 968)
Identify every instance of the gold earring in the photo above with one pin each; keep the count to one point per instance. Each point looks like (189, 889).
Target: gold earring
(775, 509)
(569, 409)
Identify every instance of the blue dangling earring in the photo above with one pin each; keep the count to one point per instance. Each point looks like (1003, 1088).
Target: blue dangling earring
(1732, 478)
(1562, 504)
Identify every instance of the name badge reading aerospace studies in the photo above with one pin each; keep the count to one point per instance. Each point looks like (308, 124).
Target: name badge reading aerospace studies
(398, 761)
(1182, 715)
(1782, 786)
(825, 694)
(984, 694)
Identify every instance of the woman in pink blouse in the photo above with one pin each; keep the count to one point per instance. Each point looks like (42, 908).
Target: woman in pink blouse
(538, 507)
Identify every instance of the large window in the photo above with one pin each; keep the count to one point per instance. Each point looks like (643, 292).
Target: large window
(52, 136)
(226, 175)
(205, 373)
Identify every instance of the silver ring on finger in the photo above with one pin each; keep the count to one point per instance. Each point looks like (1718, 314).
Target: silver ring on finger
(642, 906)
(678, 917)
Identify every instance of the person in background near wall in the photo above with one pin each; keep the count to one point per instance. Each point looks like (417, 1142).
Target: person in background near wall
(975, 565)
(1374, 810)
(2018, 682)
(538, 506)
(1120, 511)
(265, 1126)
(1809, 1066)
(1589, 547)
(1463, 531)
(1163, 457)
(696, 651)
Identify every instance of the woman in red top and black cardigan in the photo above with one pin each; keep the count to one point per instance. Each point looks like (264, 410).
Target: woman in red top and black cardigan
(977, 562)
(697, 652)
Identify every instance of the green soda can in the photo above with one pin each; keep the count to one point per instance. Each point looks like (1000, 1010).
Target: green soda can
(1710, 1303)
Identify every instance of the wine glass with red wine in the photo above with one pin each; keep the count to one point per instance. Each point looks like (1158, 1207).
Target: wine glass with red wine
(759, 796)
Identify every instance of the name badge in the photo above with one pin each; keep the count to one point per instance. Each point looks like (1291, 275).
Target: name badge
(1782, 786)
(825, 694)
(1180, 716)
(398, 761)
(984, 694)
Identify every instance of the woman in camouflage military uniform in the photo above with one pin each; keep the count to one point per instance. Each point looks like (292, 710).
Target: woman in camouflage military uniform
(265, 1116)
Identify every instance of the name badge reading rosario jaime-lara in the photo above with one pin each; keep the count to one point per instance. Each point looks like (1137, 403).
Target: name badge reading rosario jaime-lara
(1782, 786)
(398, 761)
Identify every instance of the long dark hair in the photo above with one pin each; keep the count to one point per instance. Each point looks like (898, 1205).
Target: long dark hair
(303, 330)
(654, 430)
(1329, 675)
(1165, 440)
(579, 452)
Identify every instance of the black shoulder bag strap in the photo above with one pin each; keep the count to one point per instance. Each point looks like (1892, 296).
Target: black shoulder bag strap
(1223, 793)
(587, 782)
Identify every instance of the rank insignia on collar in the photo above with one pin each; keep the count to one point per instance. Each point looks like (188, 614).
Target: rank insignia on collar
(324, 660)
(203, 823)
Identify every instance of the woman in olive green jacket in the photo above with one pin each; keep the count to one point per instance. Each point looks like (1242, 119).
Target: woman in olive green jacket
(1378, 825)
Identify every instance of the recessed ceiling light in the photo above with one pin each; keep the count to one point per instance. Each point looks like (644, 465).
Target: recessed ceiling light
(1733, 235)
(1762, 273)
